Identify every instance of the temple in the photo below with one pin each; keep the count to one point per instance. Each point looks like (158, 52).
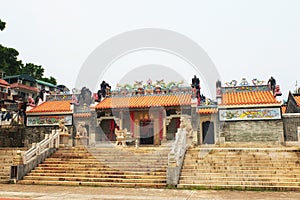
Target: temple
(150, 113)
(155, 134)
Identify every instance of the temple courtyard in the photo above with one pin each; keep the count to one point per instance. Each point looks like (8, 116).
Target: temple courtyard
(18, 192)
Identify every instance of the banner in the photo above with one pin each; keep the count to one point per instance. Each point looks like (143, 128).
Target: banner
(249, 114)
(51, 120)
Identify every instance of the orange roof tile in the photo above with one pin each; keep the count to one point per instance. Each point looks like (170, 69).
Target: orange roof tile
(297, 98)
(283, 109)
(52, 107)
(248, 98)
(145, 101)
(3, 82)
(207, 110)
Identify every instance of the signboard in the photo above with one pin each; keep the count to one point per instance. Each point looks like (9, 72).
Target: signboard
(249, 114)
(50, 120)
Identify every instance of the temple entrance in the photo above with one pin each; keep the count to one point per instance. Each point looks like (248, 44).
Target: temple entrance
(146, 132)
(208, 133)
(172, 128)
(107, 130)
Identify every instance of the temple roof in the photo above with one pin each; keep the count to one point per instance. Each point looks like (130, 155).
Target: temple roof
(297, 98)
(52, 107)
(145, 101)
(248, 98)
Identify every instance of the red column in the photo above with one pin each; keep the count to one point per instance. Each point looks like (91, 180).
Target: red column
(160, 122)
(132, 123)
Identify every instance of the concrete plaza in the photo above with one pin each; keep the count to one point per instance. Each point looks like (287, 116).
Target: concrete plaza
(18, 192)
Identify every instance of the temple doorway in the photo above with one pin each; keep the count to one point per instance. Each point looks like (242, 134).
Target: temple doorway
(208, 133)
(172, 128)
(146, 132)
(107, 130)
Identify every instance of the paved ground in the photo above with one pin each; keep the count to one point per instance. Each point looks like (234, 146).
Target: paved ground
(18, 192)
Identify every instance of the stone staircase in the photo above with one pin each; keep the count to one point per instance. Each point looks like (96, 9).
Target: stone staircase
(6, 160)
(110, 166)
(275, 168)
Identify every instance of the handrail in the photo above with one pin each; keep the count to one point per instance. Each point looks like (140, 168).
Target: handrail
(50, 141)
(176, 156)
(24, 162)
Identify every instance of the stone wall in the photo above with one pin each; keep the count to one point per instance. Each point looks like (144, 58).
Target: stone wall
(23, 136)
(12, 136)
(252, 131)
(37, 134)
(291, 124)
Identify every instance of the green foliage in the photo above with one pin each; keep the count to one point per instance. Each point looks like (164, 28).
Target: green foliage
(2, 25)
(49, 80)
(10, 65)
(33, 70)
(9, 62)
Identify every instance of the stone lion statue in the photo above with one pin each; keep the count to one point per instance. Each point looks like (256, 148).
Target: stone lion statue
(62, 126)
(81, 130)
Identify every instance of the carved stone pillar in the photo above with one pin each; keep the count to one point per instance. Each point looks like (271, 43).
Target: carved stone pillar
(121, 120)
(164, 130)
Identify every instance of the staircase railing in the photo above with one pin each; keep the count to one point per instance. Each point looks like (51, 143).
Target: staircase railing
(176, 157)
(24, 162)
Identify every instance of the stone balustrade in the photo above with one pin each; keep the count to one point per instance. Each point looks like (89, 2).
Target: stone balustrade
(176, 156)
(26, 161)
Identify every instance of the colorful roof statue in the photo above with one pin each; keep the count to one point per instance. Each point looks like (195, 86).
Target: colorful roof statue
(246, 94)
(141, 95)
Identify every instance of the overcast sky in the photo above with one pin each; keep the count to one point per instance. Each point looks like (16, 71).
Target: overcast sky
(252, 39)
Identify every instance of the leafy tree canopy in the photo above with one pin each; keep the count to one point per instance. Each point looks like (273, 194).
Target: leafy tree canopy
(50, 80)
(36, 71)
(10, 65)
(9, 62)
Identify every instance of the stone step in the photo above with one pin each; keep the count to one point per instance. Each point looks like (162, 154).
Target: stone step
(105, 165)
(240, 168)
(243, 149)
(102, 184)
(240, 187)
(77, 169)
(97, 175)
(162, 159)
(217, 175)
(240, 178)
(239, 182)
(108, 172)
(254, 163)
(92, 179)
(263, 157)
(107, 158)
(102, 167)
(91, 162)
(198, 172)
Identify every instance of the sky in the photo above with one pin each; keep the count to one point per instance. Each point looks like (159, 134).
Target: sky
(243, 38)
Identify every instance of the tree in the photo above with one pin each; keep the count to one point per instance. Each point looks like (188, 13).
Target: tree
(9, 62)
(36, 71)
(10, 65)
(49, 80)
(2, 25)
